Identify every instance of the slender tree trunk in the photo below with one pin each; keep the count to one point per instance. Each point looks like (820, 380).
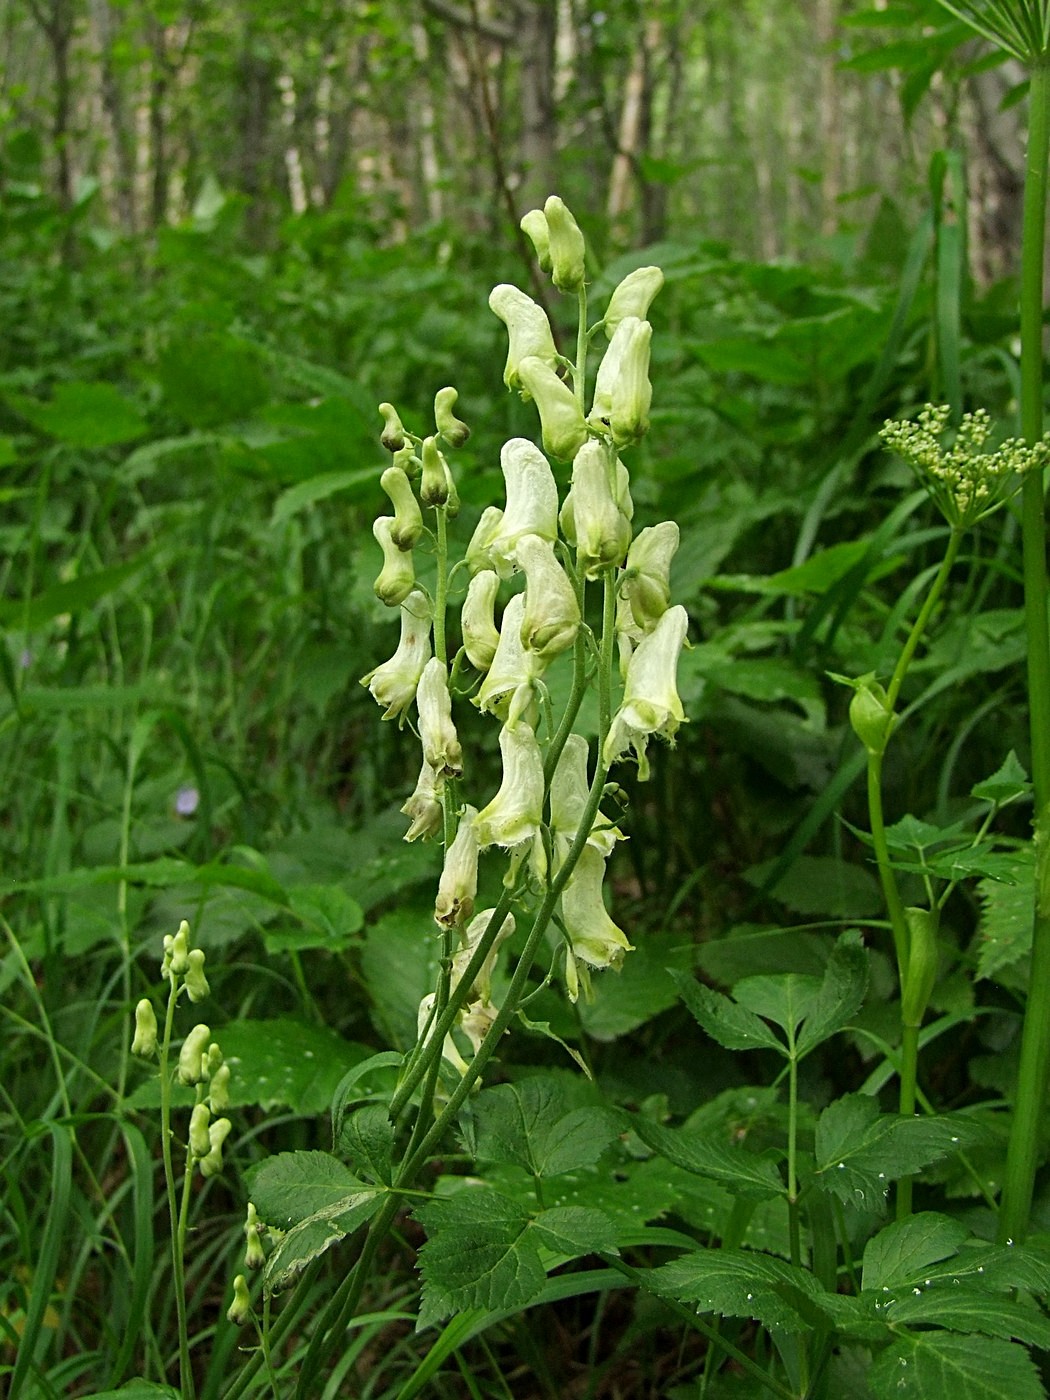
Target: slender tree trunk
(537, 26)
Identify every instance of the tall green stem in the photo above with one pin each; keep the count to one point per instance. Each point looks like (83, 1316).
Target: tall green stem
(1023, 1154)
(177, 1231)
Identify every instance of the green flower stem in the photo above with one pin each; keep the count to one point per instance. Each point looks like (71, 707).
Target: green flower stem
(605, 667)
(890, 892)
(178, 1236)
(1023, 1153)
(792, 1165)
(441, 589)
(955, 540)
(908, 1083)
(579, 378)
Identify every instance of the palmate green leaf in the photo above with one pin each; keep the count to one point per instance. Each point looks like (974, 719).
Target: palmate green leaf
(1008, 783)
(743, 1283)
(367, 1138)
(526, 1124)
(899, 1255)
(859, 1150)
(328, 918)
(317, 1233)
(785, 999)
(86, 414)
(483, 1249)
(932, 1365)
(292, 1186)
(841, 994)
(733, 1026)
(749, 1175)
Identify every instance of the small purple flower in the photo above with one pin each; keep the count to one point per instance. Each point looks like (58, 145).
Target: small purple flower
(187, 801)
(25, 659)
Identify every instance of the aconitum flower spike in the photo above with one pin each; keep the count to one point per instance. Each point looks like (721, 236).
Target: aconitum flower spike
(552, 610)
(477, 619)
(633, 297)
(650, 700)
(408, 518)
(393, 684)
(424, 806)
(528, 330)
(595, 939)
(397, 577)
(567, 248)
(441, 746)
(515, 814)
(459, 876)
(562, 424)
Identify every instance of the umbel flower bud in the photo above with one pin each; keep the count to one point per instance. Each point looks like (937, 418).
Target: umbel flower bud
(591, 518)
(477, 619)
(532, 508)
(552, 610)
(534, 226)
(561, 418)
(393, 435)
(196, 983)
(459, 876)
(633, 297)
(567, 249)
(452, 429)
(424, 806)
(622, 391)
(528, 330)
(218, 1132)
(436, 485)
(145, 1038)
(397, 577)
(441, 747)
(509, 688)
(650, 700)
(193, 1055)
(408, 518)
(514, 815)
(240, 1309)
(393, 684)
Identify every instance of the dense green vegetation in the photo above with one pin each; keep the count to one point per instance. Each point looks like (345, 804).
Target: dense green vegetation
(801, 1098)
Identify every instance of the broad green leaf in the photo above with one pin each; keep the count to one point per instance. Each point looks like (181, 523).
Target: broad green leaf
(526, 1124)
(841, 993)
(785, 999)
(367, 1138)
(1007, 784)
(731, 1025)
(742, 1283)
(83, 414)
(399, 961)
(967, 1308)
(933, 1365)
(318, 488)
(73, 596)
(328, 917)
(822, 885)
(312, 1236)
(748, 949)
(749, 1175)
(899, 1254)
(136, 1390)
(292, 1186)
(372, 1078)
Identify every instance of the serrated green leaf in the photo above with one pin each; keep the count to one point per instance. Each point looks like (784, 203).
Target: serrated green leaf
(367, 1138)
(526, 1124)
(967, 1308)
(574, 1230)
(900, 1254)
(1007, 784)
(328, 918)
(742, 1283)
(841, 993)
(749, 1175)
(932, 1365)
(731, 1025)
(1004, 934)
(822, 885)
(784, 999)
(317, 1233)
(293, 1186)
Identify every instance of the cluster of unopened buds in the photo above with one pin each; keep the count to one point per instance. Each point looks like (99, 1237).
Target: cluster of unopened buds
(556, 546)
(966, 481)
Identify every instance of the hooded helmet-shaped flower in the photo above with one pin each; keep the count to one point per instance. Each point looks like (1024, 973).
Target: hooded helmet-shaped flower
(441, 746)
(570, 788)
(565, 245)
(459, 875)
(633, 297)
(561, 417)
(424, 806)
(552, 610)
(622, 391)
(650, 700)
(509, 688)
(528, 330)
(515, 814)
(397, 577)
(393, 684)
(592, 519)
(477, 619)
(645, 591)
(532, 509)
(595, 938)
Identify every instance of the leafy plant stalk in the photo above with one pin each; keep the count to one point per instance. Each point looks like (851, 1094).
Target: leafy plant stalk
(175, 1216)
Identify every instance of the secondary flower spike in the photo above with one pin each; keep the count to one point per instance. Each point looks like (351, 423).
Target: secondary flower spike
(650, 699)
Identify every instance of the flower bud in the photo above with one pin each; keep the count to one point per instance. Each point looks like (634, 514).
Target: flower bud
(145, 1038)
(633, 297)
(452, 429)
(196, 983)
(650, 700)
(200, 1144)
(393, 684)
(397, 577)
(219, 1089)
(509, 688)
(477, 619)
(405, 460)
(193, 1052)
(528, 330)
(408, 518)
(240, 1309)
(591, 518)
(567, 250)
(622, 392)
(441, 747)
(434, 489)
(424, 806)
(459, 875)
(532, 507)
(515, 814)
(870, 715)
(180, 949)
(594, 937)
(921, 972)
(561, 418)
(552, 610)
(534, 226)
(254, 1254)
(218, 1131)
(481, 987)
(393, 436)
